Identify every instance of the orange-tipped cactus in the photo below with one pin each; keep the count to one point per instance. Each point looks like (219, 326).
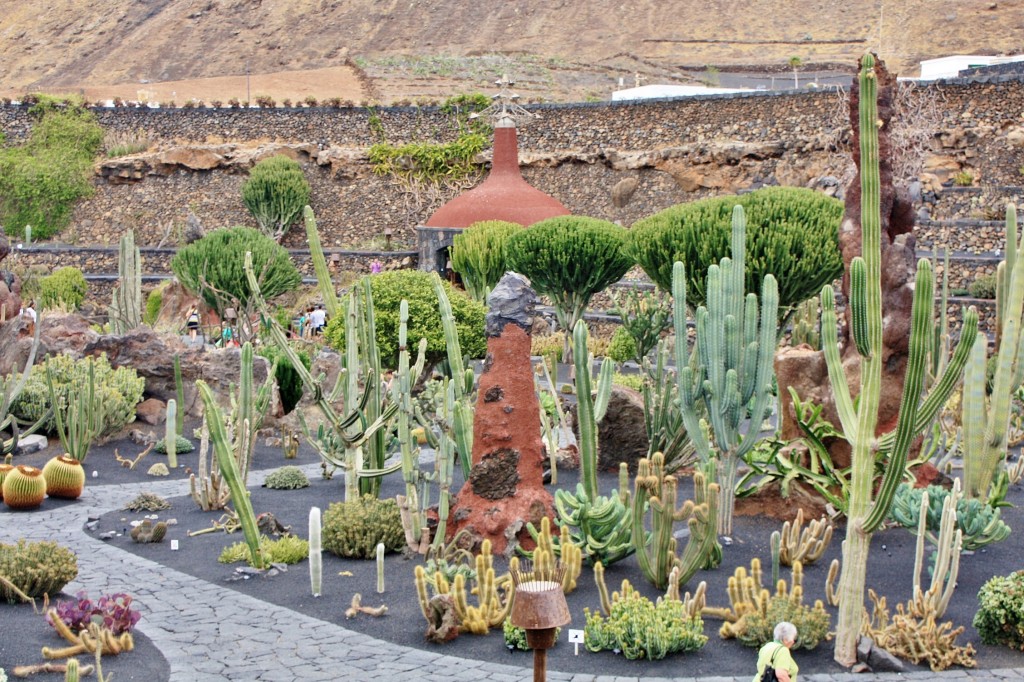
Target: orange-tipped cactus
(24, 487)
(65, 477)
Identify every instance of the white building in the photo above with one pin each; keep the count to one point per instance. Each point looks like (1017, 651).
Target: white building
(950, 67)
(661, 91)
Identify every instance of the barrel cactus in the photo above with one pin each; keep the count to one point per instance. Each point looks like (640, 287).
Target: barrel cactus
(4, 470)
(64, 477)
(24, 487)
(792, 233)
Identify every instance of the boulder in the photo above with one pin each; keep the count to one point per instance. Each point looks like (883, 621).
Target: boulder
(623, 191)
(151, 411)
(622, 436)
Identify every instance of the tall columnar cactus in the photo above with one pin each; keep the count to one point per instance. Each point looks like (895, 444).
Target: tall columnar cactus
(656, 491)
(126, 301)
(179, 392)
(589, 412)
(316, 254)
(868, 504)
(82, 419)
(227, 452)
(316, 562)
(986, 417)
(10, 388)
(170, 433)
(736, 351)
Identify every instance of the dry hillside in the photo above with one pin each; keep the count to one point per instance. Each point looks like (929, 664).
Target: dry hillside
(385, 49)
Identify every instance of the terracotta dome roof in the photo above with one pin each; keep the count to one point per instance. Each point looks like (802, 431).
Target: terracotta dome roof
(504, 195)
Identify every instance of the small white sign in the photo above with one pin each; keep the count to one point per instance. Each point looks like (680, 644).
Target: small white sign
(174, 545)
(576, 636)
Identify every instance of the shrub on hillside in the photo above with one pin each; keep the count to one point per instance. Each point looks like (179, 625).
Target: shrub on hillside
(792, 233)
(416, 287)
(275, 194)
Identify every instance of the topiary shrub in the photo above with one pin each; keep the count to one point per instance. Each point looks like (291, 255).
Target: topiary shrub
(289, 384)
(416, 287)
(275, 194)
(569, 259)
(792, 233)
(1000, 616)
(479, 255)
(286, 478)
(36, 568)
(64, 289)
(213, 268)
(118, 390)
(353, 529)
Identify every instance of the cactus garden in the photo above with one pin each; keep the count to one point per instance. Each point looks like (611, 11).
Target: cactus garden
(436, 468)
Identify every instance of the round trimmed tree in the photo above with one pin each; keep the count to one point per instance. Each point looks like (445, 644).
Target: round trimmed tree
(212, 268)
(275, 194)
(479, 255)
(792, 233)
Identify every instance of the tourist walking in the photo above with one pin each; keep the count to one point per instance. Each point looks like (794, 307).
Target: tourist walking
(776, 655)
(192, 322)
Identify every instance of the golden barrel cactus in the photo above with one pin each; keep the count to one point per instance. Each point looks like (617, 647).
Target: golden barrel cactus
(65, 477)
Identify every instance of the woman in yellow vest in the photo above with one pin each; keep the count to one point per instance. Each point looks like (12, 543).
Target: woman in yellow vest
(776, 654)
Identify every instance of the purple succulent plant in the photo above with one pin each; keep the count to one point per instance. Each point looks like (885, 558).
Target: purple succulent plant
(111, 611)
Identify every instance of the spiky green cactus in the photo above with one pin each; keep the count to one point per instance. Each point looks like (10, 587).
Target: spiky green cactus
(82, 419)
(10, 388)
(588, 410)
(867, 507)
(227, 452)
(655, 491)
(316, 561)
(986, 417)
(316, 254)
(736, 350)
(125, 310)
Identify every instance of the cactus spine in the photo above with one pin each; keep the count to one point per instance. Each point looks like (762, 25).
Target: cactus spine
(125, 311)
(316, 563)
(986, 418)
(736, 349)
(170, 433)
(867, 509)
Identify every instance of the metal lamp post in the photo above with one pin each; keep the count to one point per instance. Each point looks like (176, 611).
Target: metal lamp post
(540, 609)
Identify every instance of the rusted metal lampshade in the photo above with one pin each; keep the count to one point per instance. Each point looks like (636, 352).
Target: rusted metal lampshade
(538, 605)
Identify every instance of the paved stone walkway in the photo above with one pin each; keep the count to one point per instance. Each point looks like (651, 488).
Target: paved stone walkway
(206, 631)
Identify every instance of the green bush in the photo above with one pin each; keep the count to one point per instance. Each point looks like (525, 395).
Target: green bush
(1000, 616)
(416, 287)
(64, 289)
(154, 301)
(983, 287)
(119, 390)
(286, 478)
(289, 384)
(285, 550)
(36, 568)
(641, 629)
(275, 194)
(219, 259)
(353, 529)
(792, 234)
(622, 346)
(569, 259)
(41, 180)
(479, 255)
(633, 381)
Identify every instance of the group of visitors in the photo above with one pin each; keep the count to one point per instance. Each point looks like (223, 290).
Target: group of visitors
(312, 321)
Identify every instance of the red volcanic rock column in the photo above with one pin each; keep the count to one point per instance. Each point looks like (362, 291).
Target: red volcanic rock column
(505, 487)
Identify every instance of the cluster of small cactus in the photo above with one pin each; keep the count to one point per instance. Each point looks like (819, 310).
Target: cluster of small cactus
(95, 639)
(754, 612)
(640, 628)
(493, 595)
(147, 532)
(286, 478)
(916, 639)
(181, 445)
(796, 543)
(288, 549)
(150, 502)
(353, 529)
(36, 568)
(515, 637)
(544, 562)
(601, 527)
(655, 491)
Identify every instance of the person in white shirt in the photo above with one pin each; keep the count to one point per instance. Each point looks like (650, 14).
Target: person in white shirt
(318, 320)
